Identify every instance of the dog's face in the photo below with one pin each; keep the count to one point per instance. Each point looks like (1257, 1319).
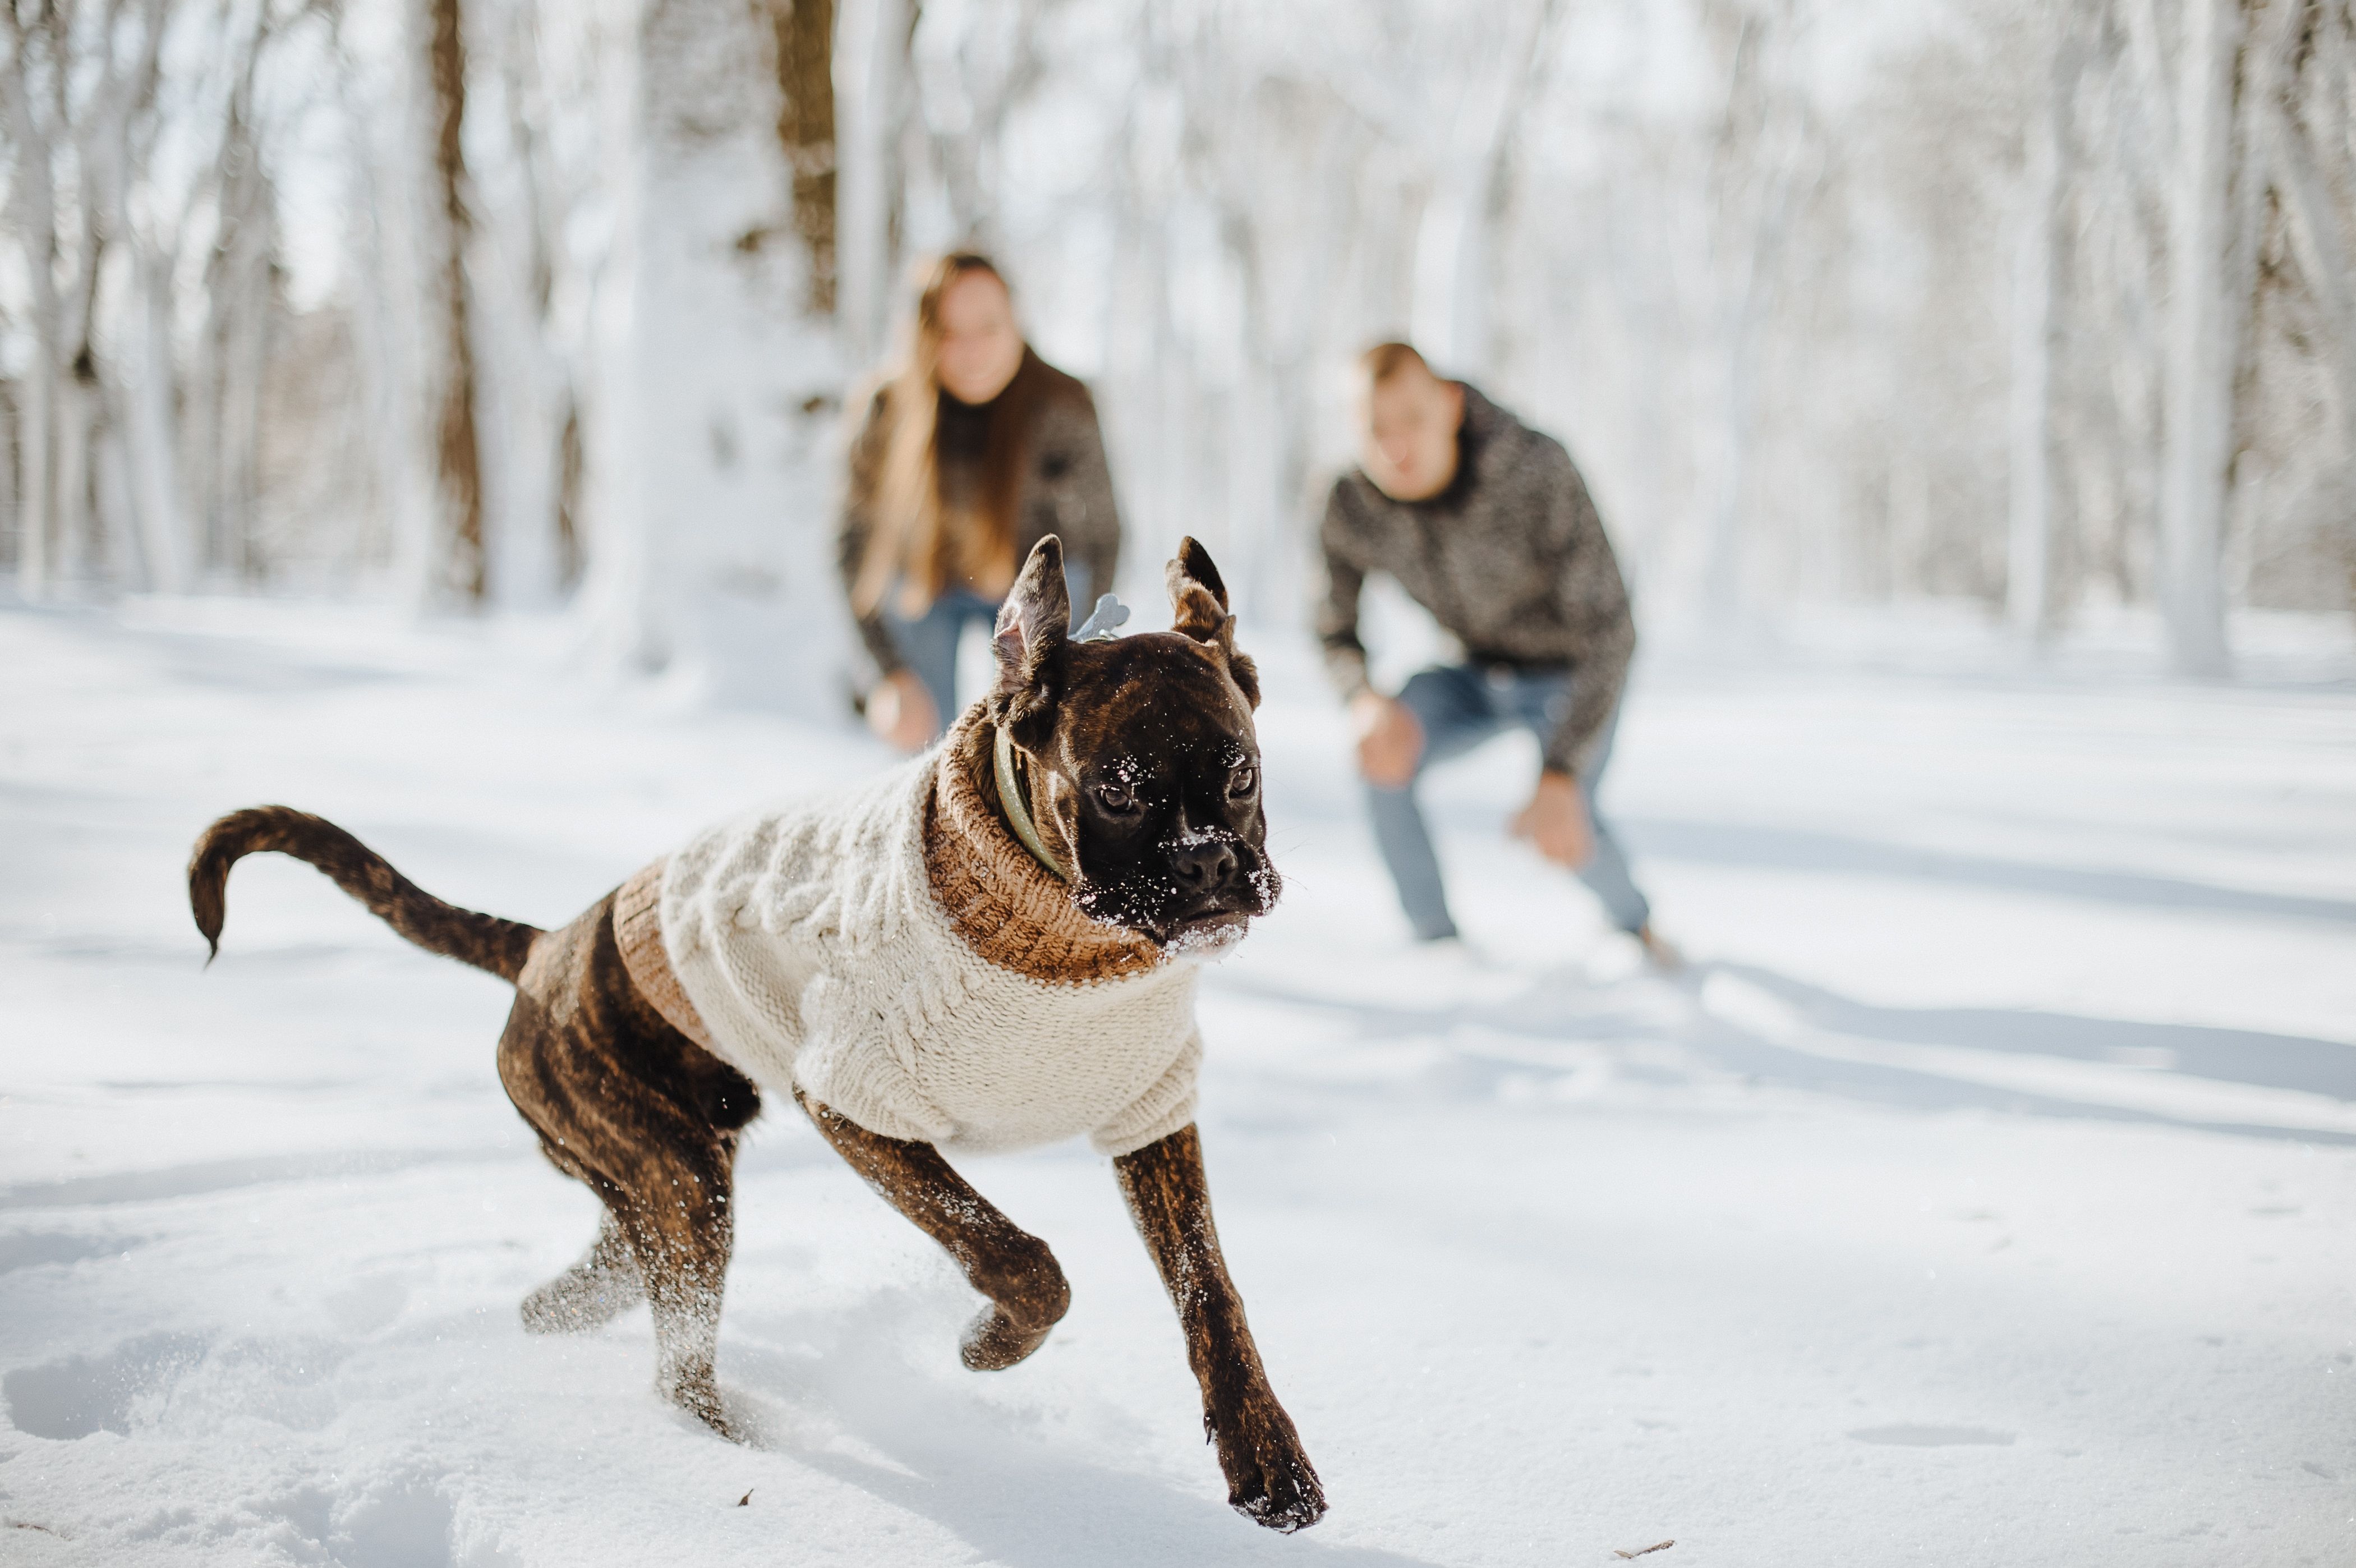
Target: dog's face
(1144, 768)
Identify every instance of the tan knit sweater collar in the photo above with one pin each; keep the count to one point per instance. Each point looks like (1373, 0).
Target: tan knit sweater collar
(1003, 904)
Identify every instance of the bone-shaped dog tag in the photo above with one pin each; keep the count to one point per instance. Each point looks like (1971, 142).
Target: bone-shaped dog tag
(1099, 628)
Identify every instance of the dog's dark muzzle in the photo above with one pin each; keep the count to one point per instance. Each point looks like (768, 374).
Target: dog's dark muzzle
(1199, 887)
(1206, 870)
(1216, 880)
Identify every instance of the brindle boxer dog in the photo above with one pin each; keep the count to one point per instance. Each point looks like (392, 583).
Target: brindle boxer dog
(627, 1102)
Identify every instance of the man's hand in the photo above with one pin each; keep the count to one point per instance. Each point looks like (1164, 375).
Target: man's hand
(1556, 822)
(1390, 741)
(900, 711)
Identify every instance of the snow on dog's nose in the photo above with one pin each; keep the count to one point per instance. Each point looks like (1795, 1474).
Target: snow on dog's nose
(1204, 864)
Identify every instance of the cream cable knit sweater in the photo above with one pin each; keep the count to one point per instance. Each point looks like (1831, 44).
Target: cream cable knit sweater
(809, 939)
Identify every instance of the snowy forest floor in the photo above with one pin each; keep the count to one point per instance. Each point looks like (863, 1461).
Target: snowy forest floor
(1983, 1194)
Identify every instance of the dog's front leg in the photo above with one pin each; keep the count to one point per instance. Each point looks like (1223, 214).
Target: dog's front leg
(1014, 1269)
(1269, 1479)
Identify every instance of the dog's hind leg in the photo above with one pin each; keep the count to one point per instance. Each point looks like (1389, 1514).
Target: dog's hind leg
(599, 1288)
(1025, 1285)
(668, 1186)
(673, 1206)
(647, 1120)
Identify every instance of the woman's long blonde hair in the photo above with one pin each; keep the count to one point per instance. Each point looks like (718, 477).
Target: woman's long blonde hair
(910, 540)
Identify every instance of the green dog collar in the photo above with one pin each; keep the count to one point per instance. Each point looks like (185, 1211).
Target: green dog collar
(1017, 813)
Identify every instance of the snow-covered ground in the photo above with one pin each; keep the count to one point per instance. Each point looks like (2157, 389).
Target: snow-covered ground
(1984, 1194)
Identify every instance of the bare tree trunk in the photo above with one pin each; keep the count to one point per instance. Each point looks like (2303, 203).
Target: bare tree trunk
(81, 406)
(221, 422)
(148, 420)
(458, 468)
(1149, 443)
(805, 34)
(33, 206)
(73, 92)
(2041, 278)
(244, 304)
(524, 394)
(711, 543)
(385, 156)
(2315, 233)
(121, 555)
(37, 435)
(1737, 419)
(2197, 461)
(1764, 146)
(12, 431)
(239, 290)
(872, 76)
(148, 412)
(36, 507)
(77, 398)
(2313, 203)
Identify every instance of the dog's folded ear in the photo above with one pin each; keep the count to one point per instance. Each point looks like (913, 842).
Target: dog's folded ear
(1035, 625)
(1200, 599)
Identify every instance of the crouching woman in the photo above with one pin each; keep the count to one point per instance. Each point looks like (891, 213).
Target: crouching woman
(971, 449)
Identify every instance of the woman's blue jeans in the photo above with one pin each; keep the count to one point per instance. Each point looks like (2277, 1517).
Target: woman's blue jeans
(928, 642)
(1459, 706)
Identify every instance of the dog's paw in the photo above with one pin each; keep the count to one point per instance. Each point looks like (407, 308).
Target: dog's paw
(581, 1299)
(700, 1397)
(1270, 1479)
(994, 1341)
(1028, 1295)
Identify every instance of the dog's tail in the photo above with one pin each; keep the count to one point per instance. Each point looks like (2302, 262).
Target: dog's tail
(484, 941)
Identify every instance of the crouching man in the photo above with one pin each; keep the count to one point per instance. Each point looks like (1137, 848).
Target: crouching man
(1487, 524)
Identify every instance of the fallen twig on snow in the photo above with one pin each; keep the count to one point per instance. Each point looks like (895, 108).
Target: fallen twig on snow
(1644, 1550)
(745, 1502)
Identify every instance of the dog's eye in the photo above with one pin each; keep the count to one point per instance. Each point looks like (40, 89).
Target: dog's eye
(1116, 798)
(1243, 781)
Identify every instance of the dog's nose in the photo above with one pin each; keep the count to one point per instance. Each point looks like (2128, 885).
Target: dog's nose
(1203, 868)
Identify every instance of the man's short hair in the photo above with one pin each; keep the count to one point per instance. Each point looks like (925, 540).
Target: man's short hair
(1386, 360)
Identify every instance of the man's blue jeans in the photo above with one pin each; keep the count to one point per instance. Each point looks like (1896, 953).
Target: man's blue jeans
(1459, 706)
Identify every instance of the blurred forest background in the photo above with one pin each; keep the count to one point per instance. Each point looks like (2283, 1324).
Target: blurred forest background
(530, 303)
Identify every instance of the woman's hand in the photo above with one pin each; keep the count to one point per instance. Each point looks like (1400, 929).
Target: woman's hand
(900, 711)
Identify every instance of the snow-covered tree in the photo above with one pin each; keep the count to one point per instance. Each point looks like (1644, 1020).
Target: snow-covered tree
(716, 384)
